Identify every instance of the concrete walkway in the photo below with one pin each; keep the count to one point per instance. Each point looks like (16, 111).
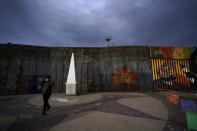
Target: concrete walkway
(91, 112)
(57, 100)
(110, 121)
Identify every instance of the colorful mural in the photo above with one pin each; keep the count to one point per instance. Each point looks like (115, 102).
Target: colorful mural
(171, 52)
(173, 68)
(124, 79)
(172, 74)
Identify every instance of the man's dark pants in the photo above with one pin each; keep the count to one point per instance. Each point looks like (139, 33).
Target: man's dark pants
(46, 103)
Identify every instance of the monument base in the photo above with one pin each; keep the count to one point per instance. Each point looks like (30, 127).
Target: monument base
(71, 89)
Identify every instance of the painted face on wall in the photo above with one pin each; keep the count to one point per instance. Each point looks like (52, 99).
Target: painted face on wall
(186, 69)
(171, 74)
(166, 73)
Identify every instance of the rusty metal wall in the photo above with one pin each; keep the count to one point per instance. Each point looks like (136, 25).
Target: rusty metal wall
(8, 69)
(97, 69)
(18, 64)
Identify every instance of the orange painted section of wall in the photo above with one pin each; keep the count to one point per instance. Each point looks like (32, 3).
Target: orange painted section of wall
(124, 75)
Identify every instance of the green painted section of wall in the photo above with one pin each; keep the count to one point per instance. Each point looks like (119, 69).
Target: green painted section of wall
(171, 52)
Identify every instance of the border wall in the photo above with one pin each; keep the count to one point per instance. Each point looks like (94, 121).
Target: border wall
(121, 68)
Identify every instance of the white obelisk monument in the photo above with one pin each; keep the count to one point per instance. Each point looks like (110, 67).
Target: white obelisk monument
(71, 88)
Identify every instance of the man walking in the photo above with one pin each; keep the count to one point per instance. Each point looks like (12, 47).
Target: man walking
(47, 86)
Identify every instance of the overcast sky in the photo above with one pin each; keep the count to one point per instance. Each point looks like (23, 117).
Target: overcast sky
(87, 22)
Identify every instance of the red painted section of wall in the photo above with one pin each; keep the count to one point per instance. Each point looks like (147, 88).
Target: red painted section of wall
(165, 51)
(124, 75)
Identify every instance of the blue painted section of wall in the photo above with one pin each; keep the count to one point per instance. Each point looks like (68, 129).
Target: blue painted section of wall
(144, 76)
(34, 83)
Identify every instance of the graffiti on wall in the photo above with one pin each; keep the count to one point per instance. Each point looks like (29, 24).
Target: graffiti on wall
(171, 52)
(174, 68)
(31, 84)
(172, 74)
(124, 77)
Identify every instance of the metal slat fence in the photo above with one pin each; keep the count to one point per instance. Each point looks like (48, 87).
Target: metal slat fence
(172, 75)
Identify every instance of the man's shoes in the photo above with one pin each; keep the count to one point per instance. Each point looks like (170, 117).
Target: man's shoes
(48, 109)
(44, 114)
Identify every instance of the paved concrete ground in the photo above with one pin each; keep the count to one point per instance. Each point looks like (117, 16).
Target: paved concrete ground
(91, 112)
(57, 100)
